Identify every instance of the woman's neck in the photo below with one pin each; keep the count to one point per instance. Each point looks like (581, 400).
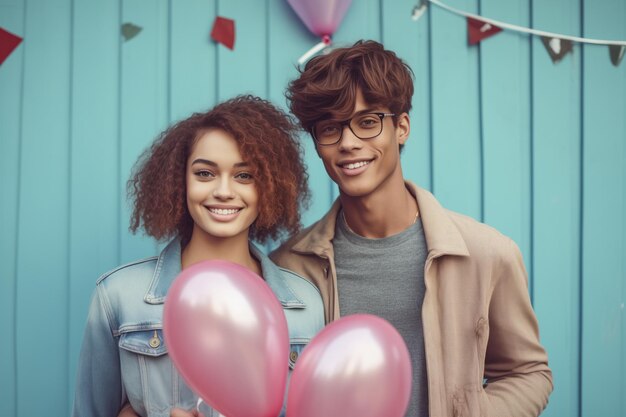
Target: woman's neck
(203, 247)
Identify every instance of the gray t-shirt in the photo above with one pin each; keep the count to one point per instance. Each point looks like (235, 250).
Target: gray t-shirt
(385, 277)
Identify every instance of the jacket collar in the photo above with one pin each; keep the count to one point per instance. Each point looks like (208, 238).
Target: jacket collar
(318, 240)
(168, 267)
(442, 235)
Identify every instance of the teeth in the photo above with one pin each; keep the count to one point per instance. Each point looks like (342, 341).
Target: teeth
(356, 165)
(223, 211)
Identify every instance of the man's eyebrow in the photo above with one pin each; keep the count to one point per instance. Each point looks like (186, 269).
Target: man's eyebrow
(368, 110)
(358, 113)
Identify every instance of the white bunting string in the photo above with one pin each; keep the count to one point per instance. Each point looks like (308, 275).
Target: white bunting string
(523, 29)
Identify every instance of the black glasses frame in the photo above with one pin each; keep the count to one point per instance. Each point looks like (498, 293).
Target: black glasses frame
(348, 122)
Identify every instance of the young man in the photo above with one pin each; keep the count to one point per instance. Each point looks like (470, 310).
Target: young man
(454, 288)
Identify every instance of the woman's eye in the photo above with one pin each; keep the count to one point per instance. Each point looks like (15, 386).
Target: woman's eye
(244, 176)
(204, 174)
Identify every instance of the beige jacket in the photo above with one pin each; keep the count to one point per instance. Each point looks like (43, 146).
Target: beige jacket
(477, 317)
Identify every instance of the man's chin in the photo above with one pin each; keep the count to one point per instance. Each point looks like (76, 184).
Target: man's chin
(355, 191)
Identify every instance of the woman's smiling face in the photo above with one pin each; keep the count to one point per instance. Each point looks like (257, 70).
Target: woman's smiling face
(222, 197)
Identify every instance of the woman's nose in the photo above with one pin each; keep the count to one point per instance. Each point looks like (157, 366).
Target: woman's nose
(224, 189)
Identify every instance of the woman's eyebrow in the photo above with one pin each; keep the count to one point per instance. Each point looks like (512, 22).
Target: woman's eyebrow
(204, 161)
(213, 164)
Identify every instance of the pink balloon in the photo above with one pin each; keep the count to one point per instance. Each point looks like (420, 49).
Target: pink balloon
(357, 366)
(322, 17)
(227, 335)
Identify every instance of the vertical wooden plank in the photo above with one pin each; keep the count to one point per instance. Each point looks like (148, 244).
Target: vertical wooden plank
(42, 253)
(94, 180)
(244, 69)
(11, 70)
(556, 102)
(362, 21)
(288, 39)
(455, 111)
(144, 104)
(193, 58)
(604, 222)
(410, 41)
(505, 121)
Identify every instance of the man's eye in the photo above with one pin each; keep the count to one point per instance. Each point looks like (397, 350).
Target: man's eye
(329, 130)
(368, 122)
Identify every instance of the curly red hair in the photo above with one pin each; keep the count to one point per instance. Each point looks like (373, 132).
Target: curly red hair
(268, 141)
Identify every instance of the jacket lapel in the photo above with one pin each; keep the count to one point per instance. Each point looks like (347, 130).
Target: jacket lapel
(168, 267)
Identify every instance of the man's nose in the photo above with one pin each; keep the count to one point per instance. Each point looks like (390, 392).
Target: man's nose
(348, 139)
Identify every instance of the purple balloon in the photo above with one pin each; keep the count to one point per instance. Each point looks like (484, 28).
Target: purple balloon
(227, 335)
(358, 366)
(322, 17)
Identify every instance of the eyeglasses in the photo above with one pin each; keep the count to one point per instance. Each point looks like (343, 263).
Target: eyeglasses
(364, 126)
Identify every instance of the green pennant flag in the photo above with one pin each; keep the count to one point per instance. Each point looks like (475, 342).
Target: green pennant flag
(129, 31)
(616, 52)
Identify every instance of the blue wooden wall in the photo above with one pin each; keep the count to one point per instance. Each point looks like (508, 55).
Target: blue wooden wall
(500, 133)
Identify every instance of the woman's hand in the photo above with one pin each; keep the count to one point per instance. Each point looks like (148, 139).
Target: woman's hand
(127, 411)
(179, 412)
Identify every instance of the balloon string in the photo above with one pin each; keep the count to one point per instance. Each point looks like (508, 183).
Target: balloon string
(325, 43)
(198, 407)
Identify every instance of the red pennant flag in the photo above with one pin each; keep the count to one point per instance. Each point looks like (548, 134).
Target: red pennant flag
(224, 32)
(8, 42)
(477, 30)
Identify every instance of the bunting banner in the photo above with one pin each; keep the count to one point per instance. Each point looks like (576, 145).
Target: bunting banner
(8, 43)
(558, 45)
(477, 30)
(224, 32)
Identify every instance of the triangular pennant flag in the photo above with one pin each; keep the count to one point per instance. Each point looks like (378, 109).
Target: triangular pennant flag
(477, 30)
(129, 31)
(418, 11)
(224, 32)
(8, 43)
(557, 47)
(617, 53)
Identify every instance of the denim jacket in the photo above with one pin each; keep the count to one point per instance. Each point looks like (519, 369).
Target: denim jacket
(123, 356)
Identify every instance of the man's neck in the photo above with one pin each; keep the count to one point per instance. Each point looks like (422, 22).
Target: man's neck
(383, 213)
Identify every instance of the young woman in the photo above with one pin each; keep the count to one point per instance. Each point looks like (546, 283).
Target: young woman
(210, 183)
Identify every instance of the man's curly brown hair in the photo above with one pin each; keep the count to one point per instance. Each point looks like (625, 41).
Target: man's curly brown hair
(268, 141)
(328, 84)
